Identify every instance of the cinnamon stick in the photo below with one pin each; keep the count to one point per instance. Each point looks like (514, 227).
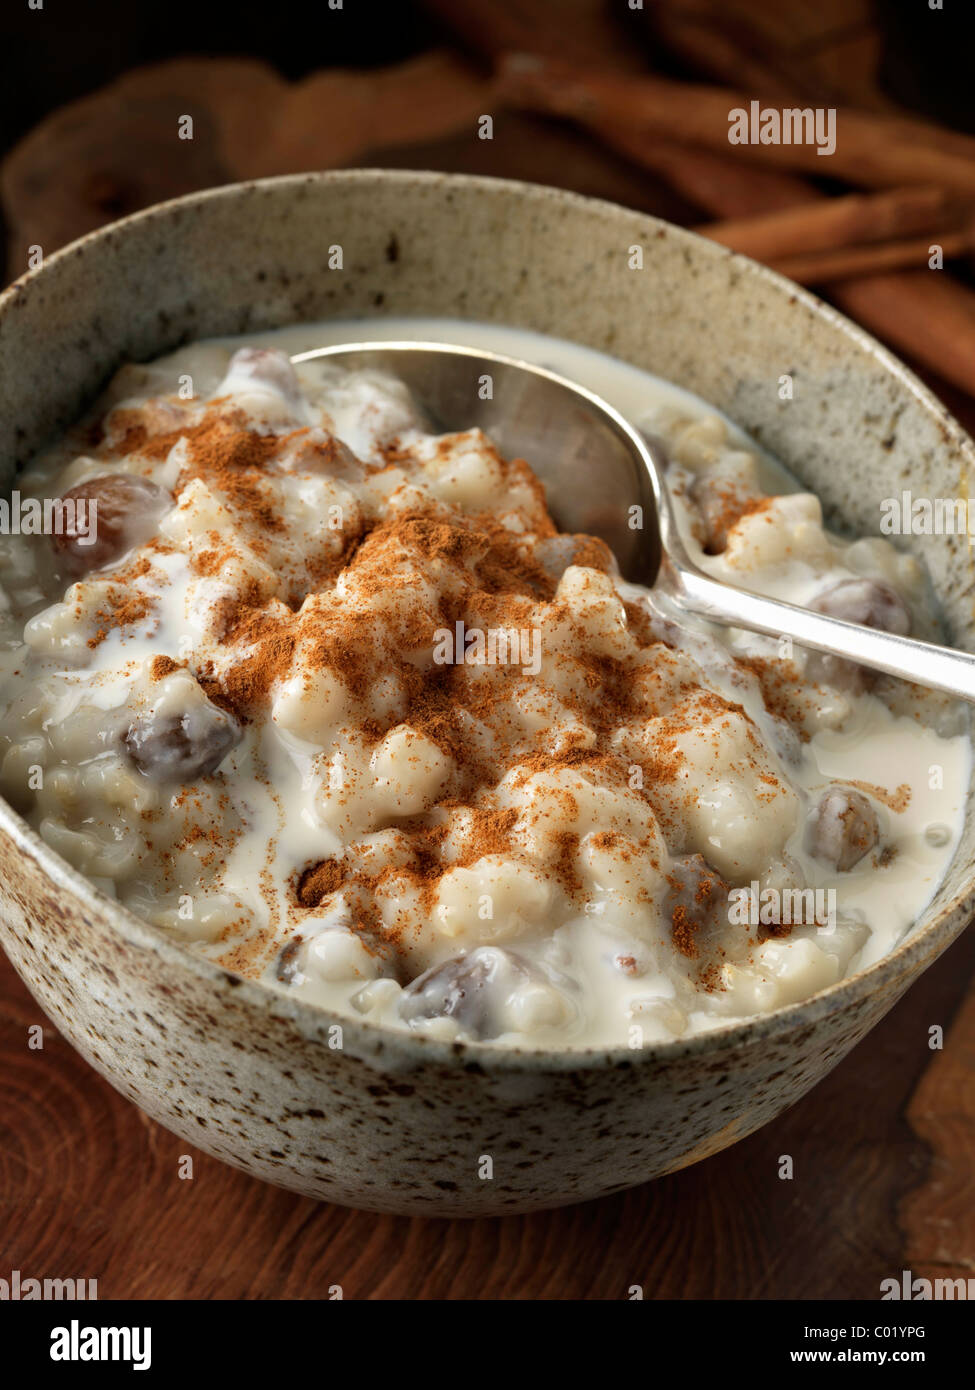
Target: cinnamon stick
(752, 55)
(112, 152)
(727, 45)
(877, 150)
(837, 222)
(824, 267)
(716, 54)
(703, 177)
(926, 314)
(585, 31)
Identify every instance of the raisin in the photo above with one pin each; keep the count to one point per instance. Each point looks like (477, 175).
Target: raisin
(471, 989)
(119, 511)
(842, 828)
(267, 368)
(721, 504)
(288, 966)
(865, 601)
(696, 905)
(181, 748)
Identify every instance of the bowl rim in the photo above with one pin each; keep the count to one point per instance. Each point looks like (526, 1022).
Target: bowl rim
(313, 1022)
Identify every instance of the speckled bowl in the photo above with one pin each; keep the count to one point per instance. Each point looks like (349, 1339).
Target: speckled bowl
(365, 1116)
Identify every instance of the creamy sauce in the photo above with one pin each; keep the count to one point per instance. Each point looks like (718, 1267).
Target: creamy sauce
(563, 983)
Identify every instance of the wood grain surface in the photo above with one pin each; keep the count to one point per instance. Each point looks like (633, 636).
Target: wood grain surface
(883, 1150)
(882, 1157)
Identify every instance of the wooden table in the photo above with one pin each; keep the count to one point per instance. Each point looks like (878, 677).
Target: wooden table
(882, 1153)
(883, 1150)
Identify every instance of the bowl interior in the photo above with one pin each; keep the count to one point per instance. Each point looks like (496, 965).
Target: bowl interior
(857, 428)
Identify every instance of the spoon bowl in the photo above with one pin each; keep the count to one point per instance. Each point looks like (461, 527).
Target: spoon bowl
(605, 478)
(593, 464)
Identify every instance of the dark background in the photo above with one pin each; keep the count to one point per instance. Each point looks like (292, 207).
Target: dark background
(72, 47)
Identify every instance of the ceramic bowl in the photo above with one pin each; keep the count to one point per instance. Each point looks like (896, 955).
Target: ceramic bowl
(338, 1108)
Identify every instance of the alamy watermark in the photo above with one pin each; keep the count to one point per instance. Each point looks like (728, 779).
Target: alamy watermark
(493, 646)
(50, 516)
(908, 515)
(21, 1288)
(77, 1343)
(917, 1289)
(756, 906)
(793, 125)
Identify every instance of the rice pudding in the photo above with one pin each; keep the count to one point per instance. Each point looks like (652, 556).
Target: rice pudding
(330, 699)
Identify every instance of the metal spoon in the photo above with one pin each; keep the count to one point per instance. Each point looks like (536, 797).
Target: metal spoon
(596, 469)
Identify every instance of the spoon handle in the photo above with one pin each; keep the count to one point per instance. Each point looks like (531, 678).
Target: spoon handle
(921, 662)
